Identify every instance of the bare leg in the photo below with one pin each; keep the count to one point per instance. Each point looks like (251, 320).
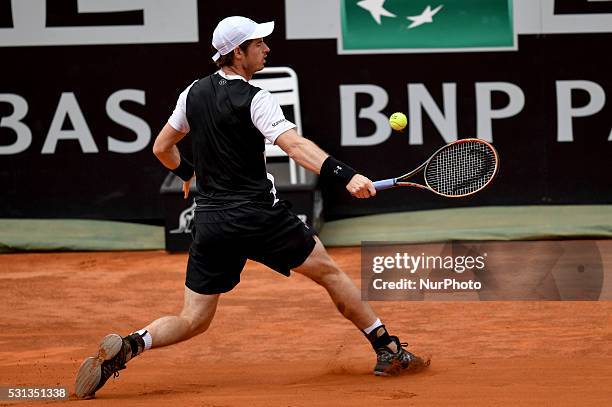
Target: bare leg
(114, 351)
(195, 318)
(320, 267)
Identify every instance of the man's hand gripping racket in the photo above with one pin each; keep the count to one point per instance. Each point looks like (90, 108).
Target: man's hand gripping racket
(458, 169)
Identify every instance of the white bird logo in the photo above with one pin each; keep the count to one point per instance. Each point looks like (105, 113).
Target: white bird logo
(376, 8)
(425, 17)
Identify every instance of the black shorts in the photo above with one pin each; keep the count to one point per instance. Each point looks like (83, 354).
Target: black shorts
(224, 240)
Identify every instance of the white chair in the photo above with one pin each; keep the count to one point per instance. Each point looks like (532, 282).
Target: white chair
(282, 83)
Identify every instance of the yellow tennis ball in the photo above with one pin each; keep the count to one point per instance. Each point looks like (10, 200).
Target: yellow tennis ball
(398, 121)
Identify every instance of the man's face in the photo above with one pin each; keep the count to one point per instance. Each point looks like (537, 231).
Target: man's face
(256, 54)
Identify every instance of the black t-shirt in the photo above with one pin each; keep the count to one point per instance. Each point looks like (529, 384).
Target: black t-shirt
(228, 150)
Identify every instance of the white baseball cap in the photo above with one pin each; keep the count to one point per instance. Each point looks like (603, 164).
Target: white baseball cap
(233, 31)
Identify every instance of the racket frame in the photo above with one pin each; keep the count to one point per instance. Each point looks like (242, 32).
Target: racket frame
(399, 181)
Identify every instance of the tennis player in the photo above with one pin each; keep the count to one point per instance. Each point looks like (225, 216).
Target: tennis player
(238, 215)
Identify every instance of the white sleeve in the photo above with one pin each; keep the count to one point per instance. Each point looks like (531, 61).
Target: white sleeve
(178, 119)
(268, 117)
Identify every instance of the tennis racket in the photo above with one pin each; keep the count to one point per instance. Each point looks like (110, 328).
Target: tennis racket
(458, 169)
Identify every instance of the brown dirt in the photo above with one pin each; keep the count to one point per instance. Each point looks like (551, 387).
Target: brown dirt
(279, 342)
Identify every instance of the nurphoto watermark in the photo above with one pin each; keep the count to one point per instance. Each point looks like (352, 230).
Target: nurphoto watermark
(493, 270)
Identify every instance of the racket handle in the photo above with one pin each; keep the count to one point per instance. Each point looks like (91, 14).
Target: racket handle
(384, 184)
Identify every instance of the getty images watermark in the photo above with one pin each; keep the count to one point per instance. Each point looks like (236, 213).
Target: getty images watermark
(527, 270)
(412, 264)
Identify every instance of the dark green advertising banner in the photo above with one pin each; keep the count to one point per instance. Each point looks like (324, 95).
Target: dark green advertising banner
(376, 26)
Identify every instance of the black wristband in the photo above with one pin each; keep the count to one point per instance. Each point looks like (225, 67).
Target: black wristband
(337, 170)
(185, 170)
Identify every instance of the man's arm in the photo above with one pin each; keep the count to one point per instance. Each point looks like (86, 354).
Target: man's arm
(166, 151)
(310, 156)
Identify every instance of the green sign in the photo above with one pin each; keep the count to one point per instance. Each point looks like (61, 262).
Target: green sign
(379, 26)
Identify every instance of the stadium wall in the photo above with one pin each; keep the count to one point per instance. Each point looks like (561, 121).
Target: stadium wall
(86, 86)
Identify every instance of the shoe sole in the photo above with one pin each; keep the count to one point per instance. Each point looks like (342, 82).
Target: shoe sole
(390, 370)
(89, 373)
(395, 369)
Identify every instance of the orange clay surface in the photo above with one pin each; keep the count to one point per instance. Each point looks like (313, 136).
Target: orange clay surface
(279, 341)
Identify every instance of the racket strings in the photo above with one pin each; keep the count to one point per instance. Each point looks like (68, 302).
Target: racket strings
(462, 168)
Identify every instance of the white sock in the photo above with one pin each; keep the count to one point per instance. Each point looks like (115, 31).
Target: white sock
(372, 327)
(146, 337)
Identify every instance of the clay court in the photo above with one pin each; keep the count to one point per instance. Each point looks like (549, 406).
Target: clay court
(279, 342)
